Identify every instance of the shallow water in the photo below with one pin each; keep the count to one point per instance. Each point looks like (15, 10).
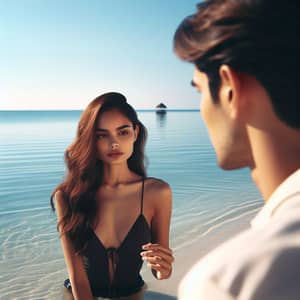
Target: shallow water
(206, 200)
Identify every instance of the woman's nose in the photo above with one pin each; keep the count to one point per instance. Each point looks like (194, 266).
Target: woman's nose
(115, 146)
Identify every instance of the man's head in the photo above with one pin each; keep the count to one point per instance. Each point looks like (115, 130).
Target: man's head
(235, 44)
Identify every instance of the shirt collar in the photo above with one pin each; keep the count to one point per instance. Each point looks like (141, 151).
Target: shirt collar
(288, 187)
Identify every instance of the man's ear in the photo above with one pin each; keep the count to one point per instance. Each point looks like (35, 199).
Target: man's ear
(230, 90)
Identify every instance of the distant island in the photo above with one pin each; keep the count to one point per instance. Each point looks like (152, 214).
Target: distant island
(161, 108)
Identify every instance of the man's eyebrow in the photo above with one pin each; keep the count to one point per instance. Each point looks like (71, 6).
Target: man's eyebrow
(118, 128)
(197, 86)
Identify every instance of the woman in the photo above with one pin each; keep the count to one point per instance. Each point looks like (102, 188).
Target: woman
(111, 217)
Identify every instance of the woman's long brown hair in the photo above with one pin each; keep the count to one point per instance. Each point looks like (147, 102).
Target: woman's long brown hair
(85, 170)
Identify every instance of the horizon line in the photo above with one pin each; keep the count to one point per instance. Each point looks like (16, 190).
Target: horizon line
(138, 109)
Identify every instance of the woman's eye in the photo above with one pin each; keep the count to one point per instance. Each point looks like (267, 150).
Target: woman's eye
(123, 132)
(101, 136)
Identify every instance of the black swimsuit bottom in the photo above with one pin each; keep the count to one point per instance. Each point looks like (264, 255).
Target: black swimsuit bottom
(126, 261)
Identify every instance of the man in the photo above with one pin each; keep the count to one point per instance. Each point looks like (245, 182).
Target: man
(247, 62)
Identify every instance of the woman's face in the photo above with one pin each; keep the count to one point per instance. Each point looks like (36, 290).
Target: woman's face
(115, 137)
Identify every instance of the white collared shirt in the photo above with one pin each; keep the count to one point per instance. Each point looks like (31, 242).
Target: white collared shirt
(261, 263)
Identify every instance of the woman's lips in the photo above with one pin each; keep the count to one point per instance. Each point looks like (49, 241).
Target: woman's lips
(115, 154)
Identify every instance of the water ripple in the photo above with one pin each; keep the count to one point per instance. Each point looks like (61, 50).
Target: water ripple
(207, 202)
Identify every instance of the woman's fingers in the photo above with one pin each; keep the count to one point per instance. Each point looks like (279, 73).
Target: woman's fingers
(158, 250)
(157, 247)
(158, 253)
(162, 272)
(157, 260)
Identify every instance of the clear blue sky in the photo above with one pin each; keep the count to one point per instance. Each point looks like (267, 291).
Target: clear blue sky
(60, 54)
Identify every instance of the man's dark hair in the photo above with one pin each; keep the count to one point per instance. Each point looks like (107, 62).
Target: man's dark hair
(257, 37)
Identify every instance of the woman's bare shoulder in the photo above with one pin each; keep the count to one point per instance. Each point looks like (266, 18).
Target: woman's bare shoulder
(59, 200)
(158, 187)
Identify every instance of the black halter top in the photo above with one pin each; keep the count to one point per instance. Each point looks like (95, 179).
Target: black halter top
(125, 261)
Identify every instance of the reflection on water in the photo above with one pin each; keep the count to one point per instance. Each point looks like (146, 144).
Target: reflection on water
(161, 118)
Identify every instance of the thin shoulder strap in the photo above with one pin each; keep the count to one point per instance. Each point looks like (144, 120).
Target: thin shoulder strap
(142, 197)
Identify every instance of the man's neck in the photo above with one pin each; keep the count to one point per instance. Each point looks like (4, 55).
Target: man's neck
(276, 156)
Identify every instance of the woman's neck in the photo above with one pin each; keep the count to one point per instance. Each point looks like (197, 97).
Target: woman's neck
(116, 175)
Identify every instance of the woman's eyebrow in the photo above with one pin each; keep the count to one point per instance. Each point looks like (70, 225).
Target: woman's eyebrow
(118, 128)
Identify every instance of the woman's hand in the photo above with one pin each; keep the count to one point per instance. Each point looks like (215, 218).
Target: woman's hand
(159, 259)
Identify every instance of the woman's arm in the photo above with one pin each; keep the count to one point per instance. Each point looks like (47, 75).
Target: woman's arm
(158, 254)
(79, 282)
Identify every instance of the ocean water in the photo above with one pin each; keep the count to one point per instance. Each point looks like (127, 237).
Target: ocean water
(206, 200)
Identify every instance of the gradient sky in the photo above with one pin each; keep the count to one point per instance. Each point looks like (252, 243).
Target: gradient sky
(61, 54)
